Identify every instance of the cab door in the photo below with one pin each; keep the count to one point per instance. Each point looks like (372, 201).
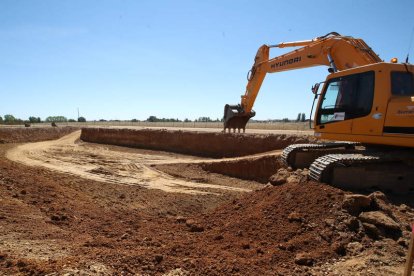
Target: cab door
(368, 111)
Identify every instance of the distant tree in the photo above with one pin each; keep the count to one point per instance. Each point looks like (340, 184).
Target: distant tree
(134, 120)
(204, 119)
(303, 117)
(33, 119)
(152, 119)
(1, 120)
(102, 120)
(187, 120)
(71, 120)
(299, 117)
(56, 119)
(81, 119)
(155, 119)
(9, 119)
(285, 120)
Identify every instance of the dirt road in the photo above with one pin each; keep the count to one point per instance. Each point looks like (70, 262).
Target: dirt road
(107, 164)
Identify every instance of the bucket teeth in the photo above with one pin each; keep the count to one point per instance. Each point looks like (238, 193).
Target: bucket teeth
(236, 118)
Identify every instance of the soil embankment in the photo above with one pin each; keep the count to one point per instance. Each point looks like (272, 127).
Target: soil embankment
(215, 145)
(26, 135)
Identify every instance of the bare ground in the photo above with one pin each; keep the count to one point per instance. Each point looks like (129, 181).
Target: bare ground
(79, 208)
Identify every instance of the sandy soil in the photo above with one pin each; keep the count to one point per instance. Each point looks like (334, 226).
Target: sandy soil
(102, 163)
(74, 208)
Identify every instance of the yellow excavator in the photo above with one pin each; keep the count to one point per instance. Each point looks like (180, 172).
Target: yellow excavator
(365, 109)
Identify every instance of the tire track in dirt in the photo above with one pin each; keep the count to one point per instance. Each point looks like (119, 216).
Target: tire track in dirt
(99, 163)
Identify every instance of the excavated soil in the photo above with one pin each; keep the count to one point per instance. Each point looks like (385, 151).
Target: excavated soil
(24, 135)
(75, 208)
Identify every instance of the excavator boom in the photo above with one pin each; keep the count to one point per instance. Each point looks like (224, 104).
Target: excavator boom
(333, 50)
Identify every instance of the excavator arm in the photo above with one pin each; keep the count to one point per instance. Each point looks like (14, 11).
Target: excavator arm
(333, 50)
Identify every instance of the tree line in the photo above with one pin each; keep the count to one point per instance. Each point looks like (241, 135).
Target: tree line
(11, 120)
(186, 120)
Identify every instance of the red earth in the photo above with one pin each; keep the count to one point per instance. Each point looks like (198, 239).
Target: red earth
(60, 223)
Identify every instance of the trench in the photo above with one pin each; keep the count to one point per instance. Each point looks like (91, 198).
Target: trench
(245, 156)
(168, 160)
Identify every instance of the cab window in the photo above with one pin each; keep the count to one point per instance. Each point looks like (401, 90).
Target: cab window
(402, 84)
(347, 97)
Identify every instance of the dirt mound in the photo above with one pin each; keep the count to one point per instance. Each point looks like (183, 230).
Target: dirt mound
(25, 135)
(207, 144)
(271, 229)
(287, 229)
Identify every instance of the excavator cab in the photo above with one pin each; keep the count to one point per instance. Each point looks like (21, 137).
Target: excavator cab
(235, 118)
(371, 104)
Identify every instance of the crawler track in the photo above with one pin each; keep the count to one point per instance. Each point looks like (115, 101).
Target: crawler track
(290, 154)
(387, 172)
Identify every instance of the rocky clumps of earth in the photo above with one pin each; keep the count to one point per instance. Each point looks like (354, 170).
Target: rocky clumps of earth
(366, 228)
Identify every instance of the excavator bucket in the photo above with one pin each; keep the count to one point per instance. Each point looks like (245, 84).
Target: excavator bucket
(235, 118)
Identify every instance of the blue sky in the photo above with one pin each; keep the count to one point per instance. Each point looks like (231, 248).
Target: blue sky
(130, 59)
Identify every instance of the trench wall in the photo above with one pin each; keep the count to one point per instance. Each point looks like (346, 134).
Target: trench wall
(258, 169)
(32, 134)
(207, 144)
